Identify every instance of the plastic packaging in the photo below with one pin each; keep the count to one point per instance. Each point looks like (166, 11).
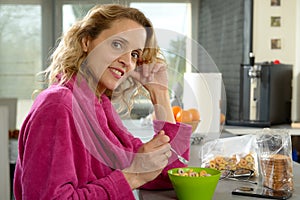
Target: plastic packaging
(234, 156)
(275, 158)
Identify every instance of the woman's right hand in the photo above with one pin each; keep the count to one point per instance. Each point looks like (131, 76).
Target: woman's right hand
(149, 162)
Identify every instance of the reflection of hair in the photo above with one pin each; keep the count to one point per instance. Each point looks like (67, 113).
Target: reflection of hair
(68, 57)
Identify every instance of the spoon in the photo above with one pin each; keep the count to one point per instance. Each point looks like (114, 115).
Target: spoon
(180, 158)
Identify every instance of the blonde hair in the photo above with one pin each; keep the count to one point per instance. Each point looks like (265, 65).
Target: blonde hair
(69, 56)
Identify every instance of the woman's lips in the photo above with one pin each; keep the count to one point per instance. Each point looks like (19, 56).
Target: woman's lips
(118, 73)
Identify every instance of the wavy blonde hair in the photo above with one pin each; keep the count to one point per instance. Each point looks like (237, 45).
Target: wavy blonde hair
(69, 56)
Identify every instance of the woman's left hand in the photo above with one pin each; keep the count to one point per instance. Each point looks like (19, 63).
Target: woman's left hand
(152, 76)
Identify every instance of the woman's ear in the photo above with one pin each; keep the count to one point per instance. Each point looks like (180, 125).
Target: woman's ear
(85, 44)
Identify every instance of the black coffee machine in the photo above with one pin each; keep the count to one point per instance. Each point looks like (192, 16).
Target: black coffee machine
(265, 94)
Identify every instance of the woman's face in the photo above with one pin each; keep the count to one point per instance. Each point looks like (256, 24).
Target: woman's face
(115, 52)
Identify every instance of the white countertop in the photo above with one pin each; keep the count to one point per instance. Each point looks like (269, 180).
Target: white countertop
(145, 132)
(242, 130)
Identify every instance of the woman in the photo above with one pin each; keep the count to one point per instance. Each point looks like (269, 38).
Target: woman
(72, 144)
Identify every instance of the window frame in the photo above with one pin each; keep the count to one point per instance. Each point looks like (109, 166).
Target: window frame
(194, 16)
(52, 18)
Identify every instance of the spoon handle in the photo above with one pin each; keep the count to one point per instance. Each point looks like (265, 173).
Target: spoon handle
(180, 158)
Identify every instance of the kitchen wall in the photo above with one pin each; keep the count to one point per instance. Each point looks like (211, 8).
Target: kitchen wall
(221, 33)
(287, 31)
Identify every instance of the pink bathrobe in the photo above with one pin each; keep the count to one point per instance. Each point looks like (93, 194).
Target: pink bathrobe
(72, 146)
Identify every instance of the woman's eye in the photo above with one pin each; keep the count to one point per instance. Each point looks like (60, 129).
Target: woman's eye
(117, 45)
(135, 55)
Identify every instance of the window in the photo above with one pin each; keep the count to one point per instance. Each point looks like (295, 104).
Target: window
(20, 49)
(172, 22)
(170, 16)
(74, 12)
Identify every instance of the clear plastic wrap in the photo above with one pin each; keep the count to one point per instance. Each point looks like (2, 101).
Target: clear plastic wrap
(234, 156)
(275, 158)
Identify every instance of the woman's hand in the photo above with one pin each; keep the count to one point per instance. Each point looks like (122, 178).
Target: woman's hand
(150, 160)
(152, 76)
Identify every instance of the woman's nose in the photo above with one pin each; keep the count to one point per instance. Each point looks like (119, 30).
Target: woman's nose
(127, 60)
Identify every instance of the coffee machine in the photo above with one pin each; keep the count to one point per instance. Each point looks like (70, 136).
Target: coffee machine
(265, 94)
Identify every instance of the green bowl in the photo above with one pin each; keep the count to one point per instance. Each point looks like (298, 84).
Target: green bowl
(190, 188)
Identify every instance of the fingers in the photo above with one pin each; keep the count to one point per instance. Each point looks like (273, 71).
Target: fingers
(153, 155)
(150, 161)
(142, 73)
(157, 67)
(165, 140)
(152, 68)
(150, 73)
(168, 154)
(163, 159)
(135, 74)
(160, 144)
(147, 69)
(158, 141)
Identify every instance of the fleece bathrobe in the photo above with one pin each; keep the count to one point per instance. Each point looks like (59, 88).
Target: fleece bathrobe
(73, 146)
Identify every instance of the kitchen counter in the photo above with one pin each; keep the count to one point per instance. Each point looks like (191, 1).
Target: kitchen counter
(224, 187)
(242, 130)
(223, 190)
(146, 132)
